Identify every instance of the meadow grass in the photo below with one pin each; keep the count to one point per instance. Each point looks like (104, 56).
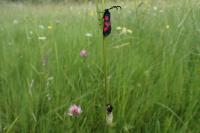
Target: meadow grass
(154, 72)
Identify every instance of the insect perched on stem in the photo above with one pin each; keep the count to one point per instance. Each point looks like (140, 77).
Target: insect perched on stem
(109, 115)
(106, 21)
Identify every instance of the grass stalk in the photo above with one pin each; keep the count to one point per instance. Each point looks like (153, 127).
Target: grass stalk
(105, 71)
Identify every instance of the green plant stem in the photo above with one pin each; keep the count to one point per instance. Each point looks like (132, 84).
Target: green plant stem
(105, 75)
(105, 70)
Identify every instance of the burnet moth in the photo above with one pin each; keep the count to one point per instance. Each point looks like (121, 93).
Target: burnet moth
(106, 20)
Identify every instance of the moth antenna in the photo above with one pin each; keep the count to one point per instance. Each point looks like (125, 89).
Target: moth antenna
(117, 7)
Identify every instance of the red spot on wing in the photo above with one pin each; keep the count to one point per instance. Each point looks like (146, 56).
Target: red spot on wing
(106, 18)
(105, 29)
(106, 24)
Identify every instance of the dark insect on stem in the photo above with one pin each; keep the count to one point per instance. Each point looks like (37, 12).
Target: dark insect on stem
(107, 21)
(109, 108)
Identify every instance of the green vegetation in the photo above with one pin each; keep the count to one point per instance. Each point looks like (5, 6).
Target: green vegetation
(153, 68)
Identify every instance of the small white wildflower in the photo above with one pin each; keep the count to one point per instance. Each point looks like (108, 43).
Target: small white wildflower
(42, 38)
(88, 35)
(155, 8)
(124, 30)
(118, 28)
(167, 26)
(129, 31)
